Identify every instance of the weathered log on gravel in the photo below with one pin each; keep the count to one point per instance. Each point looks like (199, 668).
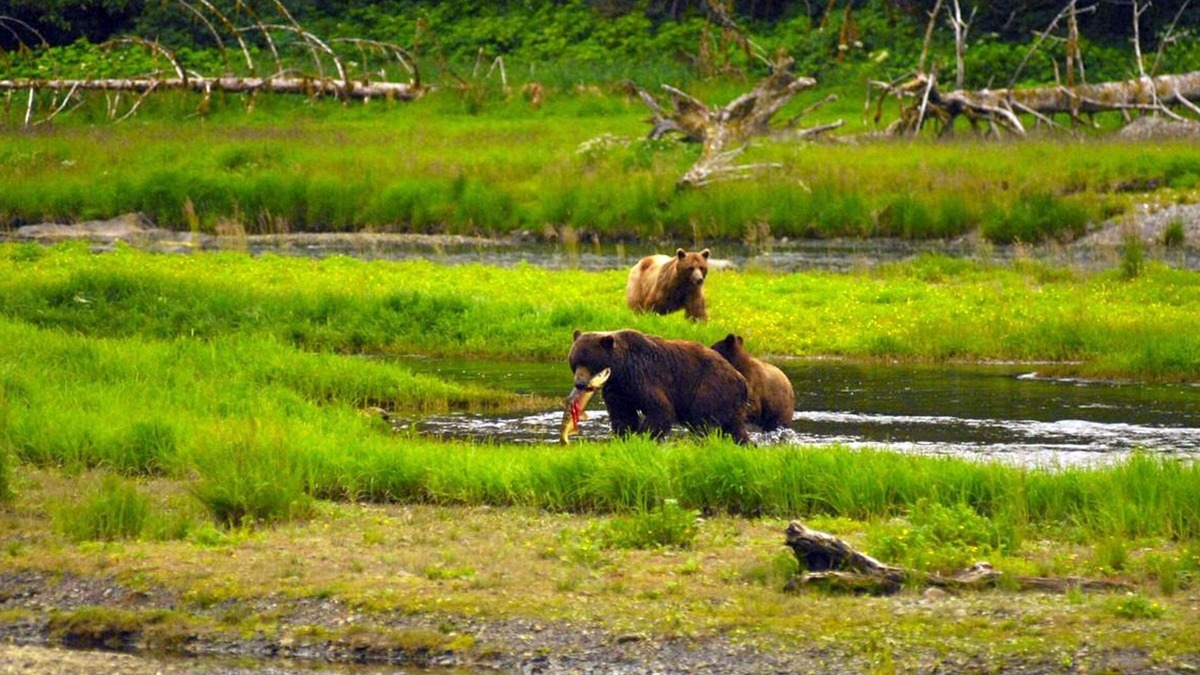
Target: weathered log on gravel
(833, 564)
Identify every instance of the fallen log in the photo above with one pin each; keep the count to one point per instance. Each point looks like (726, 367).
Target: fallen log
(830, 563)
(1002, 108)
(308, 86)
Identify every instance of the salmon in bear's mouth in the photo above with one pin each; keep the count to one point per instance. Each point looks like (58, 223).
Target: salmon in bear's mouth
(577, 402)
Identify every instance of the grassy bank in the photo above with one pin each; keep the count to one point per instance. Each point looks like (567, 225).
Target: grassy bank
(933, 309)
(250, 373)
(193, 427)
(576, 166)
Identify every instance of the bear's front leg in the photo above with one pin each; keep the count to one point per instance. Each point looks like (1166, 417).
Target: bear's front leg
(696, 310)
(623, 417)
(660, 416)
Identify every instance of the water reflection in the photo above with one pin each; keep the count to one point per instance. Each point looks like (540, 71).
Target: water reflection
(997, 412)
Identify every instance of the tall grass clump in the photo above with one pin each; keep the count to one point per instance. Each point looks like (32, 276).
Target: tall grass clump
(1133, 256)
(6, 453)
(1173, 233)
(114, 510)
(1037, 215)
(249, 480)
(1141, 496)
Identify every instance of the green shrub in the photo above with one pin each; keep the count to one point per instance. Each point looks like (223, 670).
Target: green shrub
(1172, 236)
(247, 482)
(668, 526)
(1133, 256)
(941, 537)
(116, 510)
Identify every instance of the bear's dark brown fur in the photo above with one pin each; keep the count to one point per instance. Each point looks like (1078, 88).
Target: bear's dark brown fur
(656, 383)
(772, 399)
(665, 284)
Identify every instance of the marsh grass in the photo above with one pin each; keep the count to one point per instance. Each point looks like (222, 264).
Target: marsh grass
(931, 309)
(578, 161)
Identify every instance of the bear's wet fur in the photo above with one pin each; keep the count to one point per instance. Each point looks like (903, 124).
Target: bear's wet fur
(772, 399)
(656, 383)
(664, 284)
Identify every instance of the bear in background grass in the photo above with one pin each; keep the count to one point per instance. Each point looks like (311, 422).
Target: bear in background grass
(665, 284)
(772, 399)
(655, 383)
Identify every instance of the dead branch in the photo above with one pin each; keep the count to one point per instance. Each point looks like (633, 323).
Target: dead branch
(725, 131)
(829, 562)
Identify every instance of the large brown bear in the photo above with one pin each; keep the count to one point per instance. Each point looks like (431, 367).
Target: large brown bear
(772, 400)
(655, 383)
(665, 284)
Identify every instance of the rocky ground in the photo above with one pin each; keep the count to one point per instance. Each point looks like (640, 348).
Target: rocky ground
(529, 647)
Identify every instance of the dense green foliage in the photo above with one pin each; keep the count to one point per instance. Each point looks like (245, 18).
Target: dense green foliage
(604, 40)
(561, 43)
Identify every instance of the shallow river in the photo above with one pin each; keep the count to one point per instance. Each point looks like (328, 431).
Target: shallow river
(1002, 412)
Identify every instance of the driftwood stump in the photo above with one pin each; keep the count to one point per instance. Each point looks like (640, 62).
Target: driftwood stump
(833, 564)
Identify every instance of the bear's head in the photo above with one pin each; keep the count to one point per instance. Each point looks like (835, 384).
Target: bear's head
(691, 266)
(731, 348)
(590, 354)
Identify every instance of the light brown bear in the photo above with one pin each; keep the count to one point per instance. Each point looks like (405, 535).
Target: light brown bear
(771, 397)
(665, 284)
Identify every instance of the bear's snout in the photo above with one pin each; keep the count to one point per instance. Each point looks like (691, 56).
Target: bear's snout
(583, 378)
(697, 277)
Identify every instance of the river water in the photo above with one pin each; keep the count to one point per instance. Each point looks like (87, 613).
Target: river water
(1006, 412)
(1002, 412)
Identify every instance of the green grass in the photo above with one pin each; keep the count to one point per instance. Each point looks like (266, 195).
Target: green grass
(289, 322)
(580, 161)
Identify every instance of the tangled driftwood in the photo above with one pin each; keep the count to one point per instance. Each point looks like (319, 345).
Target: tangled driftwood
(725, 131)
(829, 562)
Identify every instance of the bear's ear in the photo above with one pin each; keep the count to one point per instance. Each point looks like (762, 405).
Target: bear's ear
(607, 342)
(680, 253)
(739, 339)
(577, 334)
(730, 339)
(705, 253)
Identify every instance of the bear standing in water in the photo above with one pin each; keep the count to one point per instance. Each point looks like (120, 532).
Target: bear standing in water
(772, 400)
(665, 284)
(655, 383)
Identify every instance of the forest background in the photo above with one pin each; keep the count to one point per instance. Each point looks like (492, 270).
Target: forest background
(567, 42)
